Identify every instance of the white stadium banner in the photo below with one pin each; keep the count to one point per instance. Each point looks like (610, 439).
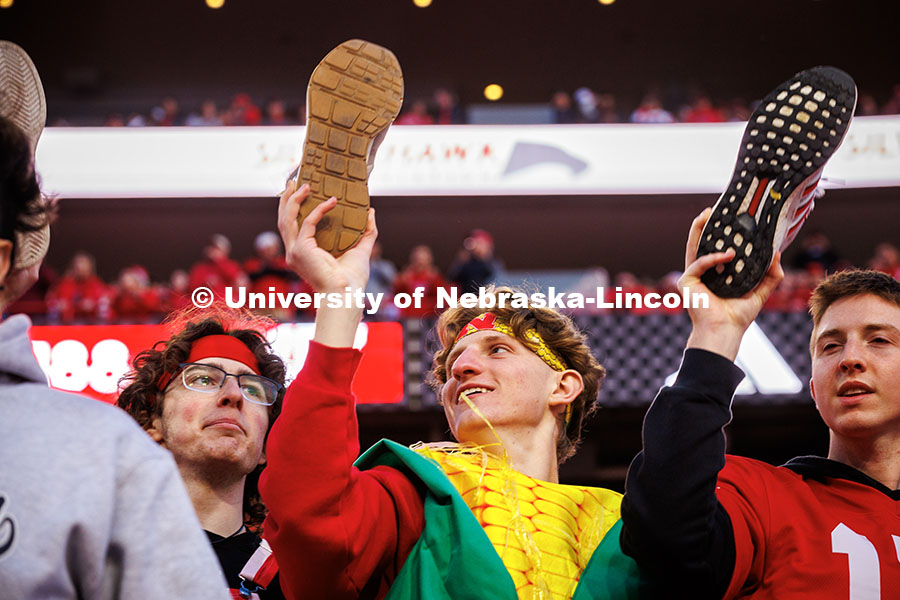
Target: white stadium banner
(438, 160)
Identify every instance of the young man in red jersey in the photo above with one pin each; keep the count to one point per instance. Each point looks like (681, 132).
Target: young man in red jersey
(728, 527)
(815, 527)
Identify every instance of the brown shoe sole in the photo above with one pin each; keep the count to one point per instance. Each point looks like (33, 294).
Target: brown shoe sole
(354, 95)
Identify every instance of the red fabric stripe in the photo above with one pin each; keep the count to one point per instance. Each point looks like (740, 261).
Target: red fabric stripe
(266, 572)
(811, 187)
(757, 196)
(801, 221)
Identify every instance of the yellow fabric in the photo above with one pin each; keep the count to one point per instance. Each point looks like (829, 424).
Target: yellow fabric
(545, 533)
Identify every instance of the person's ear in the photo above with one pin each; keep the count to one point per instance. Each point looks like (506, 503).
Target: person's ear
(568, 387)
(155, 430)
(812, 391)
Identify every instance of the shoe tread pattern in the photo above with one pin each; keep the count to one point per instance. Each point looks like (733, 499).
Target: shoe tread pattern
(354, 95)
(21, 93)
(22, 101)
(788, 139)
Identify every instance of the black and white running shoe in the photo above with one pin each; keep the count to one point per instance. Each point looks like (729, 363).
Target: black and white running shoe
(789, 138)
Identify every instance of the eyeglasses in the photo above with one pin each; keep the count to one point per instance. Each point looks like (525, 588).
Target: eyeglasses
(209, 379)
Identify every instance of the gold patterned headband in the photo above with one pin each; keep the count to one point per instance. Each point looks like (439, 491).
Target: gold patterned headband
(489, 322)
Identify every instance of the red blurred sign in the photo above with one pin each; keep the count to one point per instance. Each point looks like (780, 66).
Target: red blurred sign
(90, 359)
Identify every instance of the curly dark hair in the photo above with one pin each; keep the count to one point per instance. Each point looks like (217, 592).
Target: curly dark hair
(558, 332)
(142, 399)
(21, 208)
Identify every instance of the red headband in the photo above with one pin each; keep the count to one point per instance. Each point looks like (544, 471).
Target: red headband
(219, 346)
(483, 322)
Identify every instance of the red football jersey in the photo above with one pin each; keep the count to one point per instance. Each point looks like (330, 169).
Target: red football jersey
(813, 529)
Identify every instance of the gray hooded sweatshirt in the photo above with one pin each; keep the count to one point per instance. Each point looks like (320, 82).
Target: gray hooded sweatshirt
(90, 507)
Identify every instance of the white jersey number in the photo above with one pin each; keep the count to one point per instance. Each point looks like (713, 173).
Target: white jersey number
(862, 558)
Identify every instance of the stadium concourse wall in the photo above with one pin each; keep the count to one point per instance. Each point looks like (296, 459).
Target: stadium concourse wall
(554, 197)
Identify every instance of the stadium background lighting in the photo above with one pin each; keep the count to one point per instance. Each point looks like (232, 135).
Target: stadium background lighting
(493, 92)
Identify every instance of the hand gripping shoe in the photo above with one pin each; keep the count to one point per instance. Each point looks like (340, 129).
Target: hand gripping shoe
(22, 102)
(788, 139)
(354, 95)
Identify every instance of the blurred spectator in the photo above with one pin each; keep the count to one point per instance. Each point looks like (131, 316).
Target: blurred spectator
(651, 111)
(586, 105)
(737, 110)
(268, 271)
(892, 106)
(135, 300)
(447, 110)
(80, 294)
(563, 111)
(701, 110)
(886, 260)
(136, 120)
(668, 284)
(627, 283)
(34, 301)
(420, 273)
(606, 109)
(207, 117)
(114, 120)
(243, 111)
(178, 295)
(416, 115)
(276, 113)
(594, 279)
(815, 248)
(792, 294)
(475, 265)
(382, 274)
(216, 270)
(167, 114)
(781, 298)
(866, 105)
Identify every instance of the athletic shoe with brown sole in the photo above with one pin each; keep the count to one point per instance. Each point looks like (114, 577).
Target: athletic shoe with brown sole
(22, 102)
(354, 95)
(789, 138)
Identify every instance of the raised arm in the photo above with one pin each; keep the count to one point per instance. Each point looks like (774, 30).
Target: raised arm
(674, 526)
(337, 532)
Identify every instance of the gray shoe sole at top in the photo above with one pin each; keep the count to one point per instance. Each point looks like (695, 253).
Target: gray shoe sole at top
(22, 102)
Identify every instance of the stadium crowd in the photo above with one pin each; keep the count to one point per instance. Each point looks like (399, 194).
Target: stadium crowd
(80, 295)
(443, 107)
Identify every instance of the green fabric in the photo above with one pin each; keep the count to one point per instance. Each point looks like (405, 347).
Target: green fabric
(454, 558)
(610, 574)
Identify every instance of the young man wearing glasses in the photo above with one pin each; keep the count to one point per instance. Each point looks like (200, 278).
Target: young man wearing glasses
(209, 395)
